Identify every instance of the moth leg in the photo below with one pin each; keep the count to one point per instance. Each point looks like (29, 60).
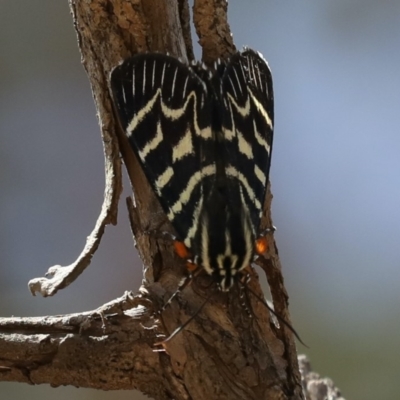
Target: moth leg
(243, 295)
(266, 231)
(160, 235)
(186, 281)
(183, 252)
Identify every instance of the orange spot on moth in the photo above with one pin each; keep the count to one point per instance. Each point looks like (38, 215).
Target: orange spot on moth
(181, 250)
(261, 245)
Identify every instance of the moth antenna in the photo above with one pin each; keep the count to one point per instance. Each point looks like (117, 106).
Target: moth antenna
(280, 319)
(186, 323)
(182, 285)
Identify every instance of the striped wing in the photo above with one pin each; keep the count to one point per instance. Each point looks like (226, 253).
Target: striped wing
(247, 125)
(165, 109)
(186, 124)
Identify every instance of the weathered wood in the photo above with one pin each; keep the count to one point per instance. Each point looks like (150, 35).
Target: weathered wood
(228, 351)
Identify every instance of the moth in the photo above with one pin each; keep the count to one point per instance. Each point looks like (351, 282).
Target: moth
(204, 139)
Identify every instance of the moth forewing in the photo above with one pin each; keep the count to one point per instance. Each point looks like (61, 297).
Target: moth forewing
(204, 140)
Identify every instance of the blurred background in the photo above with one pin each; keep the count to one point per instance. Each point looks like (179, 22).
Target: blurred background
(335, 178)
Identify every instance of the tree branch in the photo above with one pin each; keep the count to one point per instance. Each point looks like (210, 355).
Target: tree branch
(225, 352)
(108, 348)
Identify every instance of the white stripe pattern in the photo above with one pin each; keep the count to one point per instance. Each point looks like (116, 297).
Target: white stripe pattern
(243, 111)
(237, 78)
(187, 192)
(184, 147)
(154, 71)
(170, 113)
(244, 146)
(144, 76)
(260, 175)
(204, 249)
(261, 109)
(195, 224)
(232, 171)
(184, 87)
(173, 83)
(174, 114)
(261, 141)
(163, 179)
(233, 87)
(152, 144)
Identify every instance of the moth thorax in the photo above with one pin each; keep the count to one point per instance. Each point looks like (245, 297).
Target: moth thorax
(226, 245)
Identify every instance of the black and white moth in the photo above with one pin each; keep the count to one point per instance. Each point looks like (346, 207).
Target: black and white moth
(204, 140)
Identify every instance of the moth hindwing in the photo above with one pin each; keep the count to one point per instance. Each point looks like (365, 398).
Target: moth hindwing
(204, 140)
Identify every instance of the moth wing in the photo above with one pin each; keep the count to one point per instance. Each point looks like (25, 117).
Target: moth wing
(247, 125)
(165, 110)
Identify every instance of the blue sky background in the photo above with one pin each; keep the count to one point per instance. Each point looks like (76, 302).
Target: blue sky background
(335, 178)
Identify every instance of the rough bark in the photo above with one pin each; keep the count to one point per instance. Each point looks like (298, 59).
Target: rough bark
(225, 352)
